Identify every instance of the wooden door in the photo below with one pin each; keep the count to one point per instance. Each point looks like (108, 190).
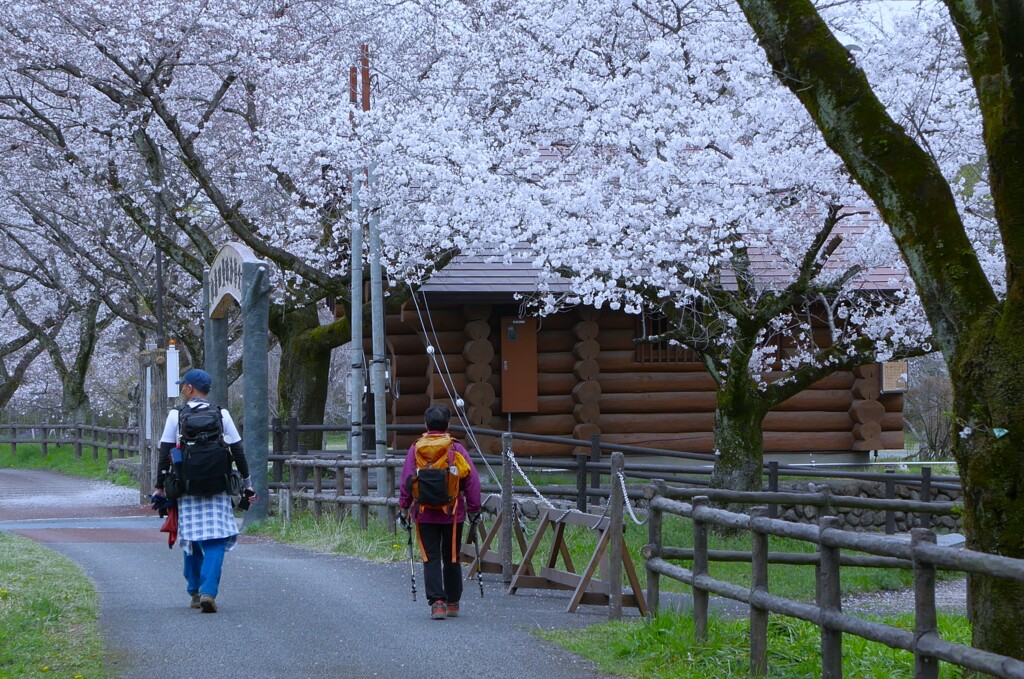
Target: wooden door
(518, 365)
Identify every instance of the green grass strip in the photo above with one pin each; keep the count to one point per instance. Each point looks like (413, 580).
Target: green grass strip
(62, 459)
(325, 534)
(665, 648)
(48, 614)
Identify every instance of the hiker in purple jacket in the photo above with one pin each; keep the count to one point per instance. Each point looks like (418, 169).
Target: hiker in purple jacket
(439, 489)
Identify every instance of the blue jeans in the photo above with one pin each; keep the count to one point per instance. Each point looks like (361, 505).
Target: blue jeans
(203, 567)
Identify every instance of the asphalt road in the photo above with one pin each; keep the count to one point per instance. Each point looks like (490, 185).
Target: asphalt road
(284, 612)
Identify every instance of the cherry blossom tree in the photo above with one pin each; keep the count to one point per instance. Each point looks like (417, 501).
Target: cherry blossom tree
(168, 106)
(936, 210)
(647, 153)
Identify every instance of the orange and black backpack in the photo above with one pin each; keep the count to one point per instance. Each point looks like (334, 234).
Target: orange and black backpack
(440, 469)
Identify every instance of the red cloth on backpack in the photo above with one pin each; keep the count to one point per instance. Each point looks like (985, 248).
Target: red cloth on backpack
(171, 526)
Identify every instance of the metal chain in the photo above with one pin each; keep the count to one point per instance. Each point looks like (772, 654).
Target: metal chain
(629, 505)
(512, 459)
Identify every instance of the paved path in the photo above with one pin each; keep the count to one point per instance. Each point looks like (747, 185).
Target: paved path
(284, 611)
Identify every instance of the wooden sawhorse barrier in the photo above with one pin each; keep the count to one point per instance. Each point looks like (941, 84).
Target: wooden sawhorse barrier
(489, 561)
(586, 589)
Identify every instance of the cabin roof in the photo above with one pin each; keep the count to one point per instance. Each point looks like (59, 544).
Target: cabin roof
(486, 276)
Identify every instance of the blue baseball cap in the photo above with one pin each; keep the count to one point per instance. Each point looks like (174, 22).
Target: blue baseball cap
(200, 379)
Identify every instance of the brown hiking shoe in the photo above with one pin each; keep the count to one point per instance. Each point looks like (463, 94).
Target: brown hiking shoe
(453, 610)
(195, 600)
(438, 610)
(208, 603)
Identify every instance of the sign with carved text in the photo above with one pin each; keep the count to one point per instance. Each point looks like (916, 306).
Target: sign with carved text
(225, 277)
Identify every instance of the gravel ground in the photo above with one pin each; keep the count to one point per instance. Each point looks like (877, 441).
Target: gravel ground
(950, 595)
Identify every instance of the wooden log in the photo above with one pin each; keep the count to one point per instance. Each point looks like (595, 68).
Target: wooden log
(555, 362)
(617, 339)
(445, 318)
(411, 404)
(480, 394)
(818, 399)
(893, 402)
(587, 392)
(555, 384)
(479, 372)
(584, 431)
(873, 444)
(867, 372)
(839, 380)
(416, 385)
(869, 431)
(477, 330)
(448, 342)
(479, 415)
(867, 411)
(395, 324)
(411, 364)
(892, 422)
(560, 404)
(589, 313)
(625, 361)
(774, 442)
(586, 370)
(656, 423)
(659, 402)
(892, 440)
(478, 351)
(555, 340)
(586, 350)
(638, 382)
(439, 388)
(527, 448)
(815, 420)
(868, 389)
(586, 330)
(544, 425)
(587, 413)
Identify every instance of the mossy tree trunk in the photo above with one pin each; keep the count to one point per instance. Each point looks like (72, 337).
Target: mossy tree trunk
(305, 365)
(980, 336)
(739, 412)
(988, 395)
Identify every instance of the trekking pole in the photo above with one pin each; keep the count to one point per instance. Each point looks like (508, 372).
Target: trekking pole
(476, 548)
(412, 566)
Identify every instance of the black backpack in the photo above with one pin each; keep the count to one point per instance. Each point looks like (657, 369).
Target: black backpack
(205, 459)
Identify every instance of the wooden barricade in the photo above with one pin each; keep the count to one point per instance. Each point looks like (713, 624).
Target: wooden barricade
(489, 561)
(586, 588)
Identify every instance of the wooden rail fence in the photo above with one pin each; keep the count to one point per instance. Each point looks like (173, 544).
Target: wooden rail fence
(921, 554)
(115, 441)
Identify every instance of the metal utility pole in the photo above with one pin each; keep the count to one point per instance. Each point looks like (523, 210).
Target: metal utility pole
(356, 380)
(376, 304)
(377, 364)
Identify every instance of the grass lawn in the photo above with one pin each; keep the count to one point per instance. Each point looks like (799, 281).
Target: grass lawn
(48, 615)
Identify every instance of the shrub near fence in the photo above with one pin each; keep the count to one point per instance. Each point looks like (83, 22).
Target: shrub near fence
(922, 554)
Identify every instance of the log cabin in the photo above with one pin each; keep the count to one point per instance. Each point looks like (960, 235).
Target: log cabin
(581, 372)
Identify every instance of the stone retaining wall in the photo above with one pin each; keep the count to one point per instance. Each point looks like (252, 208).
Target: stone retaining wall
(868, 519)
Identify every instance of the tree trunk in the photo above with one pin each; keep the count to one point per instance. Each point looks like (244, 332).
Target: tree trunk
(738, 438)
(989, 395)
(305, 366)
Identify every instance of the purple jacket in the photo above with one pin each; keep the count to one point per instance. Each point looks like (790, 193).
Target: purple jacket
(469, 499)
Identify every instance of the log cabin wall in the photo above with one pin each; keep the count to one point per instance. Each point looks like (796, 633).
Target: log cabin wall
(593, 380)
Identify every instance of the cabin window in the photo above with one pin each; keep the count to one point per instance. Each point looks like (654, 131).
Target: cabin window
(656, 323)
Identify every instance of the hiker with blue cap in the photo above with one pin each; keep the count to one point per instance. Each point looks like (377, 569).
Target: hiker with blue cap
(199, 444)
